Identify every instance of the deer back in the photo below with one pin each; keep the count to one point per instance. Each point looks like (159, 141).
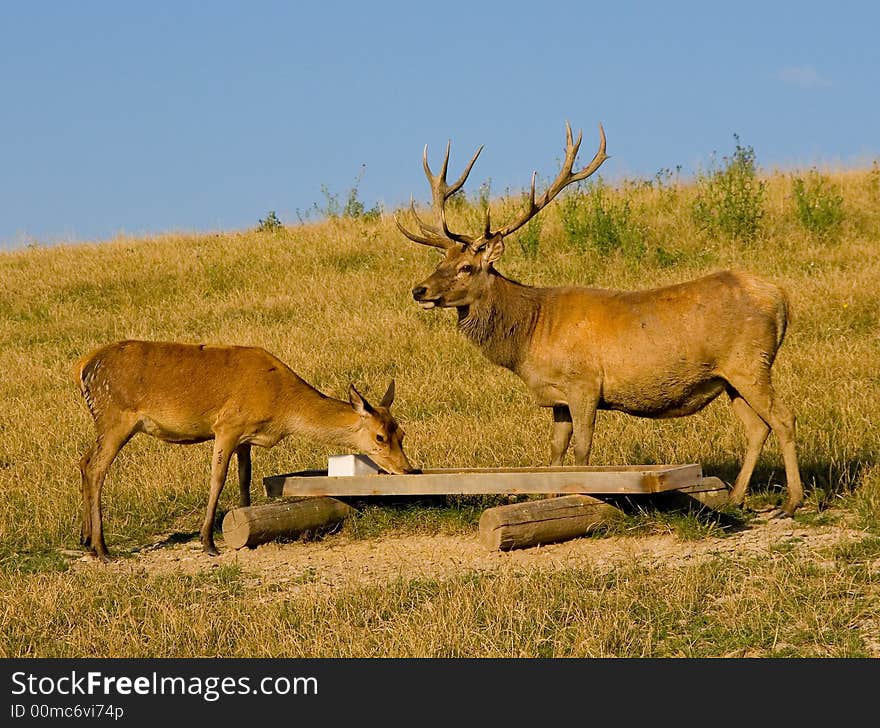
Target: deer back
(190, 383)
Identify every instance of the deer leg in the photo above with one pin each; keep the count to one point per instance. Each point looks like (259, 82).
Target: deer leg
(562, 429)
(98, 461)
(85, 534)
(756, 435)
(583, 421)
(243, 456)
(758, 393)
(222, 454)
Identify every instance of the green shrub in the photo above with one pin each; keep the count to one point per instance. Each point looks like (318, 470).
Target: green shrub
(818, 206)
(730, 196)
(666, 184)
(666, 258)
(269, 224)
(529, 238)
(594, 219)
(470, 210)
(874, 178)
(352, 208)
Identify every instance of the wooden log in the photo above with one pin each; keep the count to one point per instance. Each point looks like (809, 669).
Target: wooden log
(520, 525)
(253, 525)
(710, 492)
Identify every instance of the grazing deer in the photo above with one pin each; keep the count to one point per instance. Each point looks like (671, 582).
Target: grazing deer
(237, 396)
(665, 352)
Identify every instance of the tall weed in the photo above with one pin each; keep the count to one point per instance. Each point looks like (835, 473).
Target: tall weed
(269, 224)
(594, 219)
(352, 207)
(529, 238)
(730, 196)
(818, 206)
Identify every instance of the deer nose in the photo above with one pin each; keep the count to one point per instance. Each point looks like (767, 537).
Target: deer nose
(419, 292)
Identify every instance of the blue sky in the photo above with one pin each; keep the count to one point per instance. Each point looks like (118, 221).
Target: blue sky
(143, 118)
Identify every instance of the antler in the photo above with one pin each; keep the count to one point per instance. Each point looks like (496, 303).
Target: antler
(442, 236)
(563, 179)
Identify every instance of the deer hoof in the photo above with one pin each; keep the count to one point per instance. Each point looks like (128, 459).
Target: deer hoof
(211, 550)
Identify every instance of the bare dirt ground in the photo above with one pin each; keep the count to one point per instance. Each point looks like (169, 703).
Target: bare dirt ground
(337, 561)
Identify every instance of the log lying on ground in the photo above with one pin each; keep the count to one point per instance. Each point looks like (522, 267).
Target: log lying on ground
(253, 525)
(521, 525)
(710, 492)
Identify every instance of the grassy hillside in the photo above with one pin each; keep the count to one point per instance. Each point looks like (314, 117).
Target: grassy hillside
(331, 298)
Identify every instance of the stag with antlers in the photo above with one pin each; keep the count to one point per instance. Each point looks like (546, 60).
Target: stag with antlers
(663, 352)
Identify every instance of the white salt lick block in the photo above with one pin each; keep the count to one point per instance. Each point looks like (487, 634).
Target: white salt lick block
(341, 465)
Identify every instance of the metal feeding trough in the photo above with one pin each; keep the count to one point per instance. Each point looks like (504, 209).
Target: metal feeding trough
(346, 476)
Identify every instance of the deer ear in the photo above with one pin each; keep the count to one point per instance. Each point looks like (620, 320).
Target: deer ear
(494, 250)
(358, 403)
(388, 399)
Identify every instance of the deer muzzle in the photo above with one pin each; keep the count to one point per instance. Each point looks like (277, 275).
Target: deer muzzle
(419, 293)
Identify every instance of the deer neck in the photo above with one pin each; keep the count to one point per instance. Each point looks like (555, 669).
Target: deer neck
(501, 322)
(324, 418)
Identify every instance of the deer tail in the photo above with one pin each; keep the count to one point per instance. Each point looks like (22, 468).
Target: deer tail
(783, 313)
(84, 370)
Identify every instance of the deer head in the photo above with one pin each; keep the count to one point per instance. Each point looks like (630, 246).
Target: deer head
(378, 433)
(461, 277)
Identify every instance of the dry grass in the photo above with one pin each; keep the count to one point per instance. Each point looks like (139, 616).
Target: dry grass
(780, 608)
(332, 300)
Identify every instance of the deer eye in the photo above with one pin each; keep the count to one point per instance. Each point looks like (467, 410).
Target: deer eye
(380, 438)
(466, 268)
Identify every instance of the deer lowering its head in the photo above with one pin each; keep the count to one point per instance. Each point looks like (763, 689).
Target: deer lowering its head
(237, 396)
(665, 352)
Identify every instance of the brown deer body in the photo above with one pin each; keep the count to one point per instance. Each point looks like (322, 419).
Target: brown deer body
(664, 352)
(234, 395)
